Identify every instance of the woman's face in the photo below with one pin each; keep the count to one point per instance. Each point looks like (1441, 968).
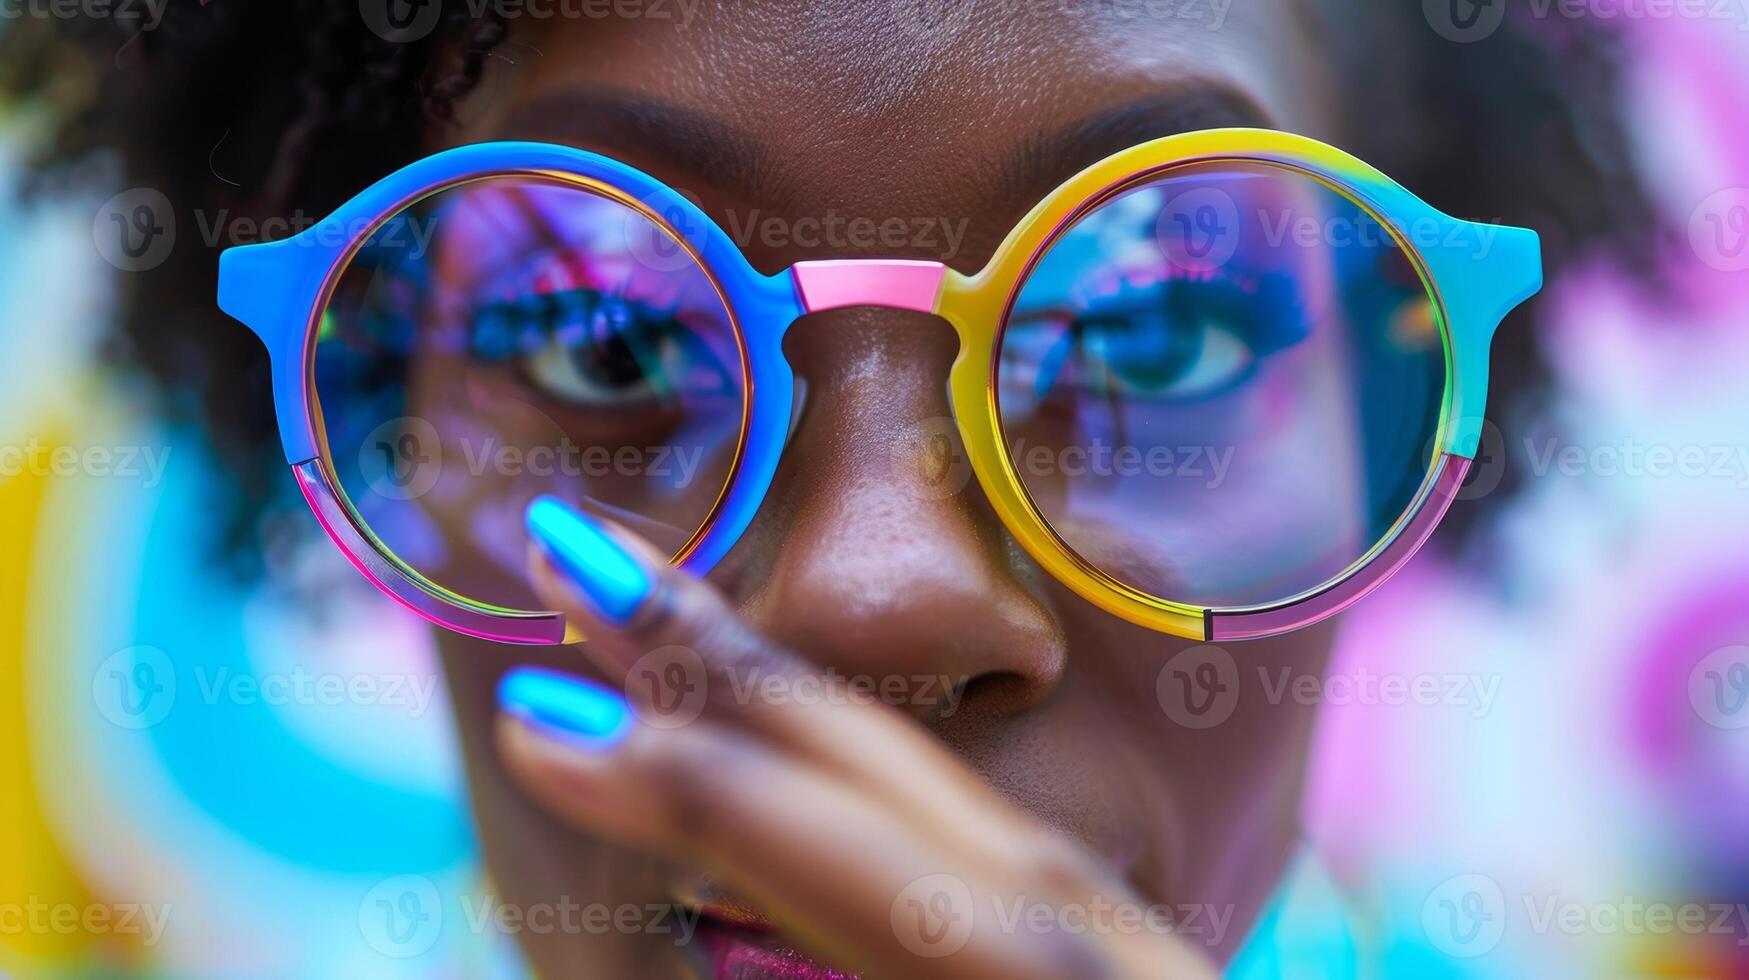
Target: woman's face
(794, 126)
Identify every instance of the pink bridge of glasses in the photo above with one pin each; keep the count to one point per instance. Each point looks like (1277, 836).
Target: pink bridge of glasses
(897, 284)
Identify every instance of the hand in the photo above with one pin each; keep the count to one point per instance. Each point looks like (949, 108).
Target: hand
(842, 820)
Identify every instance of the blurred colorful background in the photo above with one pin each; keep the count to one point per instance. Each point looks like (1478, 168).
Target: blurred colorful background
(213, 780)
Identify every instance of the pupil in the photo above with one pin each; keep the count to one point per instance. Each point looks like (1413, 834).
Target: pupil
(610, 359)
(1155, 355)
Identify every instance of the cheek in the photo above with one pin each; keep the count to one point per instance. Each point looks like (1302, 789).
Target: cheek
(1139, 677)
(1207, 800)
(533, 860)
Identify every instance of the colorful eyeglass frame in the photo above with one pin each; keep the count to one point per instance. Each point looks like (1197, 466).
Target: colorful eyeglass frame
(280, 288)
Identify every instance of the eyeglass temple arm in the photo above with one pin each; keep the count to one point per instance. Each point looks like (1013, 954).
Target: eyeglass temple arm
(1482, 276)
(263, 286)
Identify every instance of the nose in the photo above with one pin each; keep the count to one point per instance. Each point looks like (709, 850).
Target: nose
(883, 559)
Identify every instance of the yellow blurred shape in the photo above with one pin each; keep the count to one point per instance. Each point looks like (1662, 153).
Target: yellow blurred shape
(33, 870)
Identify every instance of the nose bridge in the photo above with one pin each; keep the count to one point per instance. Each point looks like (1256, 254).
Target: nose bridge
(895, 284)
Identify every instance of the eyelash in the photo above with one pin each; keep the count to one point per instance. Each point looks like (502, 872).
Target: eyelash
(563, 342)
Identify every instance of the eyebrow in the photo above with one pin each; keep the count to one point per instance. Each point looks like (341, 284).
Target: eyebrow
(1045, 160)
(677, 138)
(682, 140)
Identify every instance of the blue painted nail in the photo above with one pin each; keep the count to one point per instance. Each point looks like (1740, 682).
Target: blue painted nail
(584, 711)
(613, 581)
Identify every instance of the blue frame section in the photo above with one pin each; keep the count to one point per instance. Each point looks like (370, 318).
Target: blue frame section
(273, 288)
(1478, 285)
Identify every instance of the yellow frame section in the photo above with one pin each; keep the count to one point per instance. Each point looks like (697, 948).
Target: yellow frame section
(977, 305)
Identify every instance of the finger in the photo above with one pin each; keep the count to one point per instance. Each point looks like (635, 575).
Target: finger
(638, 609)
(831, 863)
(628, 600)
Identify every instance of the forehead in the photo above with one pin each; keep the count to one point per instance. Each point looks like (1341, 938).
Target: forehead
(984, 102)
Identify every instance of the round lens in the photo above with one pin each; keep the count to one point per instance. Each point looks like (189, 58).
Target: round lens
(1221, 385)
(517, 336)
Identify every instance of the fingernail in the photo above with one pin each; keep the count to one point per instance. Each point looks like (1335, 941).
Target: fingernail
(583, 710)
(613, 581)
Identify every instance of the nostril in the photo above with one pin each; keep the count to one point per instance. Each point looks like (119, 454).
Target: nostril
(994, 695)
(929, 698)
(938, 700)
(943, 624)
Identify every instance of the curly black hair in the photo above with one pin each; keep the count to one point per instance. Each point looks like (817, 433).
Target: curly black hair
(283, 109)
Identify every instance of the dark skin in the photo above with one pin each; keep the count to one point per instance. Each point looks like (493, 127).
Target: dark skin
(1058, 776)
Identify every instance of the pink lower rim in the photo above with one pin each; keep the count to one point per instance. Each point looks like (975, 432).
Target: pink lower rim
(549, 628)
(1281, 619)
(523, 628)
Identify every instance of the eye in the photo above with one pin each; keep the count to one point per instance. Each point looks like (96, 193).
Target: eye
(592, 349)
(1166, 362)
(1165, 340)
(615, 353)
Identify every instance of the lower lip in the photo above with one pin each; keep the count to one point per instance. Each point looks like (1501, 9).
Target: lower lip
(733, 953)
